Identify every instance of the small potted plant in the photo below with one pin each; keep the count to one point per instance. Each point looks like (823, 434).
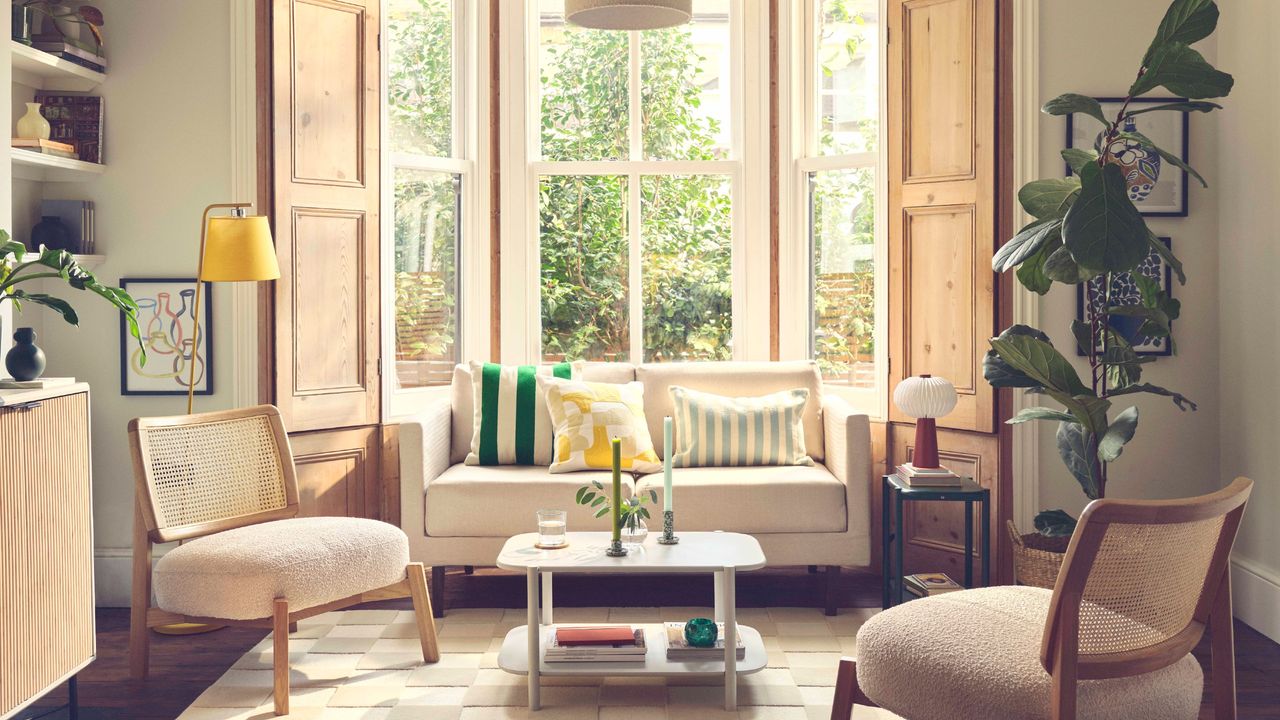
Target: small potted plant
(633, 512)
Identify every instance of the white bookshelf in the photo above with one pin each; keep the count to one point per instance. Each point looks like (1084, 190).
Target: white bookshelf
(38, 167)
(43, 71)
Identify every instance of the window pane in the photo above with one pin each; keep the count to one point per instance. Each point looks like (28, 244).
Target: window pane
(687, 231)
(420, 76)
(842, 203)
(583, 239)
(426, 279)
(685, 87)
(583, 79)
(848, 76)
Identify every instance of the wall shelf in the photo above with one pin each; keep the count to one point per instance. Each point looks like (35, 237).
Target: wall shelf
(43, 71)
(28, 165)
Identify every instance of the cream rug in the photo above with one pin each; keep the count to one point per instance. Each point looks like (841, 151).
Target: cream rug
(366, 665)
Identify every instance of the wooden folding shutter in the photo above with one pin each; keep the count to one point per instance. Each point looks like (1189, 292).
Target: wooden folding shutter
(324, 175)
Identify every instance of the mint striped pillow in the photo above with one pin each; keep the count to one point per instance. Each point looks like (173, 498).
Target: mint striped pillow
(718, 431)
(512, 425)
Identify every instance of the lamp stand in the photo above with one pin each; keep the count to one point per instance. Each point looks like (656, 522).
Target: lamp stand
(926, 449)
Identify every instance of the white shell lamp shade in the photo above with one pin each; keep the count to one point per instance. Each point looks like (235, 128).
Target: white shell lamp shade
(628, 14)
(925, 396)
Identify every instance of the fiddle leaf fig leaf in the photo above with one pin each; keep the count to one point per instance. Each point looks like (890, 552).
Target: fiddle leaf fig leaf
(1031, 272)
(1069, 103)
(1049, 198)
(1075, 447)
(1103, 230)
(1178, 398)
(1055, 523)
(1083, 334)
(1186, 21)
(1025, 244)
(1060, 266)
(1040, 361)
(1000, 373)
(1119, 432)
(1203, 106)
(1183, 71)
(1040, 413)
(1167, 256)
(1077, 158)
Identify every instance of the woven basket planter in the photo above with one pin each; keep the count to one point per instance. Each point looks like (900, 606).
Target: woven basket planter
(1036, 558)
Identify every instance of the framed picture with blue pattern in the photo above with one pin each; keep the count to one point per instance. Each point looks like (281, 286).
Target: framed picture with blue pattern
(1157, 187)
(1124, 291)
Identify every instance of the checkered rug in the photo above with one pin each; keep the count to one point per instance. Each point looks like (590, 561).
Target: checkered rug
(366, 665)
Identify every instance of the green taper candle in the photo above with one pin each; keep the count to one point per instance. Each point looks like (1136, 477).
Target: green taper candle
(617, 489)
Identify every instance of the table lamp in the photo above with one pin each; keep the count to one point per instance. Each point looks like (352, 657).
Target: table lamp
(233, 248)
(925, 398)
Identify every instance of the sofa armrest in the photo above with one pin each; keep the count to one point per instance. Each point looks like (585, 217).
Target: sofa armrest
(847, 435)
(424, 455)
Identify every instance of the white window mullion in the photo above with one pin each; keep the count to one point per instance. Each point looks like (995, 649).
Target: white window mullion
(633, 99)
(635, 299)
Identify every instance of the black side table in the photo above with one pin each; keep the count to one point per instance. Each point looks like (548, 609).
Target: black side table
(897, 492)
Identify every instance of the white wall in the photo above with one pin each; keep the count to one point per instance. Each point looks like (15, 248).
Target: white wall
(1249, 298)
(167, 148)
(1174, 453)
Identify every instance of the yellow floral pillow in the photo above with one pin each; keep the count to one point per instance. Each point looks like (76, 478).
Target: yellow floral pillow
(587, 415)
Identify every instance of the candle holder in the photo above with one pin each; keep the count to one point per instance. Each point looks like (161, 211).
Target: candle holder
(615, 549)
(668, 529)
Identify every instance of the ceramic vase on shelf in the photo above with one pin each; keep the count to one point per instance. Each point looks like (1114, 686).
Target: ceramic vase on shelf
(33, 126)
(25, 360)
(51, 233)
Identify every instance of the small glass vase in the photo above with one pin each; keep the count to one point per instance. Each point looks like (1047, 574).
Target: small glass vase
(634, 535)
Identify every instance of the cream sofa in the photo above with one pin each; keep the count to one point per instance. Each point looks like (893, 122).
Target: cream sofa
(457, 514)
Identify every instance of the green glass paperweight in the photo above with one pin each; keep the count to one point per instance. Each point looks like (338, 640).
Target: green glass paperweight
(701, 632)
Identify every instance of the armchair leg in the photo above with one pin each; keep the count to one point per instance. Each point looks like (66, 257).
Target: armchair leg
(848, 693)
(437, 590)
(139, 637)
(833, 589)
(422, 612)
(1222, 664)
(280, 655)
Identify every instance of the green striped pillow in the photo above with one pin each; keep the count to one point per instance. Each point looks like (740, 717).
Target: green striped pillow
(717, 431)
(512, 425)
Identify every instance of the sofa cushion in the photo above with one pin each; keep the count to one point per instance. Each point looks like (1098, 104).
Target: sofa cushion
(714, 430)
(756, 500)
(587, 415)
(512, 425)
(463, 420)
(480, 501)
(734, 379)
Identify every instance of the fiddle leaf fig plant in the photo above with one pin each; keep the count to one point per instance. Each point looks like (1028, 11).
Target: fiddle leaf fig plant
(19, 266)
(1087, 230)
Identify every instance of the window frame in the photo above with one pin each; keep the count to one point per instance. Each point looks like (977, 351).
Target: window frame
(799, 89)
(522, 166)
(470, 162)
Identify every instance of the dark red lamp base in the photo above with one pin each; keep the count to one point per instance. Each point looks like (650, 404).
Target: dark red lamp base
(926, 450)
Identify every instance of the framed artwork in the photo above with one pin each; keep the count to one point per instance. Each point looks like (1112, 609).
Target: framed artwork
(1124, 291)
(1156, 187)
(166, 321)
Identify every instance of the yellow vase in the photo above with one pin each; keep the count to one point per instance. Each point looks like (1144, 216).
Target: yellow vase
(33, 126)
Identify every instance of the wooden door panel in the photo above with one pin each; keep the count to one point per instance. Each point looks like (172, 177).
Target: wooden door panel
(939, 40)
(328, 98)
(328, 307)
(338, 472)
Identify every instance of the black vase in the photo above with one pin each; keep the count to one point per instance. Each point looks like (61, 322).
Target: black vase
(51, 233)
(25, 361)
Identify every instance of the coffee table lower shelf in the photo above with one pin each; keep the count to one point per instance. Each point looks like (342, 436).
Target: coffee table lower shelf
(514, 657)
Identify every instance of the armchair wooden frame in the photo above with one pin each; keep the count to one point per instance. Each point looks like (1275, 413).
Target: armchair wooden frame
(159, 519)
(1086, 582)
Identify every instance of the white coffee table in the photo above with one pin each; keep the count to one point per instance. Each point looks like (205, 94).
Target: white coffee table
(723, 554)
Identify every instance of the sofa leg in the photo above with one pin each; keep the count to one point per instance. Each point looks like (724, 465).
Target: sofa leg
(833, 589)
(469, 569)
(813, 569)
(437, 590)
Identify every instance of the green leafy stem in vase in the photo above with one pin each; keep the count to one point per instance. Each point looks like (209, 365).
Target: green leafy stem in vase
(633, 510)
(1086, 231)
(18, 266)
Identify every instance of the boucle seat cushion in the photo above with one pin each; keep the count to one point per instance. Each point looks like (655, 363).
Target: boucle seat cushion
(976, 654)
(238, 574)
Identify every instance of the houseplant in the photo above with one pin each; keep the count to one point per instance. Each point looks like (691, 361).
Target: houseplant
(632, 511)
(1087, 229)
(18, 266)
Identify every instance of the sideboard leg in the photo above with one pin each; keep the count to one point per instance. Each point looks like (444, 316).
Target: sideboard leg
(73, 698)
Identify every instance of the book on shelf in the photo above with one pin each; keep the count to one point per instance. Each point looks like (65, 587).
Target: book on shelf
(77, 216)
(37, 384)
(75, 120)
(76, 52)
(679, 649)
(632, 649)
(930, 584)
(29, 143)
(924, 477)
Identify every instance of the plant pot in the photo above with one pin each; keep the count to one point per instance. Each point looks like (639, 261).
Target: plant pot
(25, 360)
(1036, 558)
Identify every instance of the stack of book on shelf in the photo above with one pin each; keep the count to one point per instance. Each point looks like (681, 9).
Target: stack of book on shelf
(75, 120)
(47, 147)
(679, 649)
(77, 216)
(596, 643)
(927, 477)
(930, 584)
(73, 51)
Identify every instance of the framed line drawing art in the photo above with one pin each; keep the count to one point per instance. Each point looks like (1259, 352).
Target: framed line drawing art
(1125, 292)
(1156, 187)
(166, 320)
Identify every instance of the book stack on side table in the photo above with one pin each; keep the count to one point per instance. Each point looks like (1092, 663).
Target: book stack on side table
(927, 477)
(930, 584)
(596, 643)
(679, 649)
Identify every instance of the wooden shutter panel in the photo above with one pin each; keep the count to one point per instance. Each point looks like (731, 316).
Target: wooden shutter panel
(325, 103)
(942, 198)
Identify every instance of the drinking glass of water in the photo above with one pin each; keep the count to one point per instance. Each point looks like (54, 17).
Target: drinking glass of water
(551, 528)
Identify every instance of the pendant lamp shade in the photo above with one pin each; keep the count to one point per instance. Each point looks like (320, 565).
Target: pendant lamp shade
(628, 14)
(239, 249)
(925, 396)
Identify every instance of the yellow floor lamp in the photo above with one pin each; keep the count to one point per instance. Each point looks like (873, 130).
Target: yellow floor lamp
(233, 248)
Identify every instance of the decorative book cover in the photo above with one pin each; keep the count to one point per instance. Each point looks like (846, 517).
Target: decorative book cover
(595, 635)
(76, 120)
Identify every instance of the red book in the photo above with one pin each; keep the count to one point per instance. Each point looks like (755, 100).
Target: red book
(599, 635)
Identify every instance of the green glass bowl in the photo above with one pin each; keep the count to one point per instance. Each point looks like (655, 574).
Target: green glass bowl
(701, 632)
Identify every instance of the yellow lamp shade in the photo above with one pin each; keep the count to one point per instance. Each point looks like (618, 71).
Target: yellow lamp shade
(239, 249)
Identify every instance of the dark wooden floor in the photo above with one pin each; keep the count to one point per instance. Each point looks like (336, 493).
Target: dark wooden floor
(182, 667)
